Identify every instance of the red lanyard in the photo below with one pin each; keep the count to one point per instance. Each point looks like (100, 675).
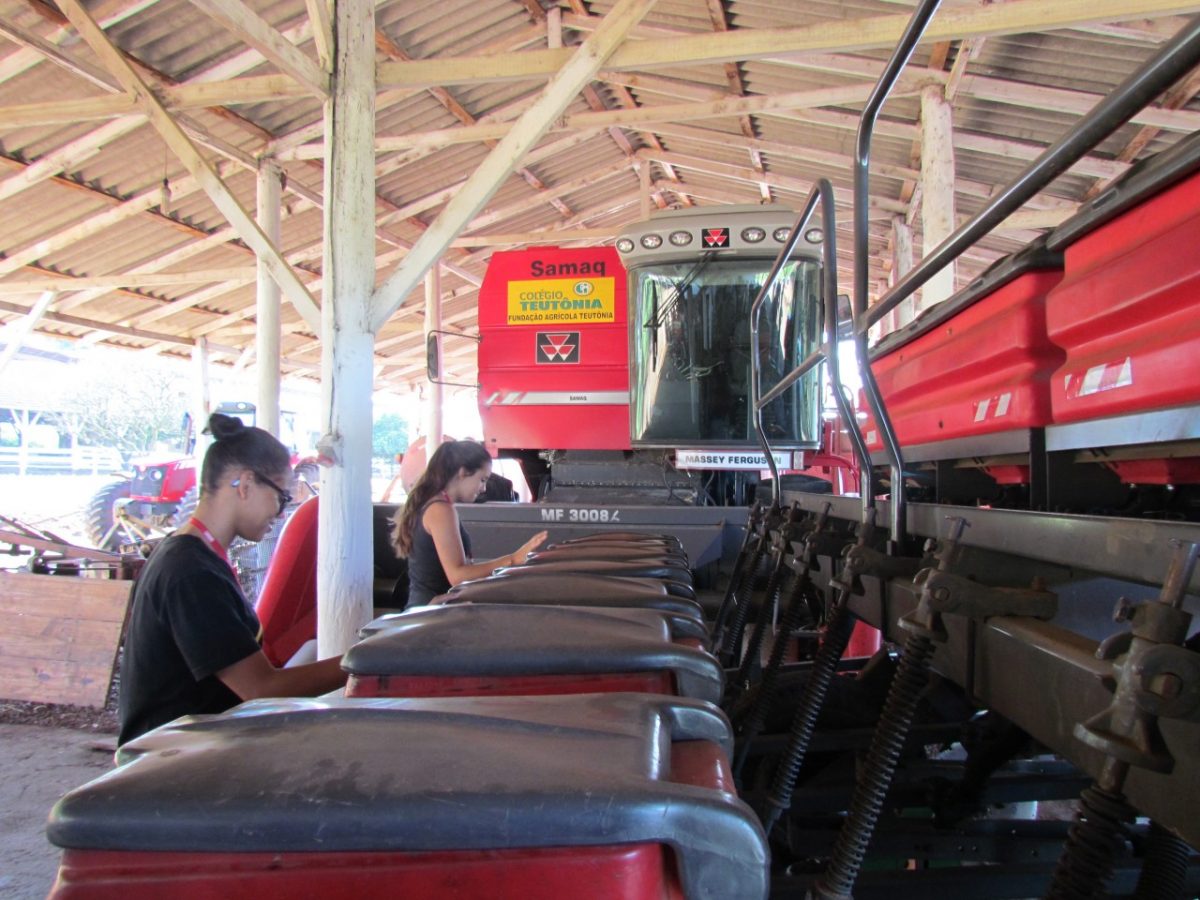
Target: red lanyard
(212, 543)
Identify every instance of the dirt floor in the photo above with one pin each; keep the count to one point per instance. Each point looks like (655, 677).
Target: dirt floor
(37, 766)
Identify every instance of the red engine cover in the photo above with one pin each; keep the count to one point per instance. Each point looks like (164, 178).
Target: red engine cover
(984, 370)
(645, 871)
(1126, 312)
(509, 686)
(554, 354)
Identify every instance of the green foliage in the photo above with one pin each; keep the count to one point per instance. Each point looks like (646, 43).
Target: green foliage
(389, 436)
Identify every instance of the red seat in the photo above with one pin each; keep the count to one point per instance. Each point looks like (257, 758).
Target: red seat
(287, 605)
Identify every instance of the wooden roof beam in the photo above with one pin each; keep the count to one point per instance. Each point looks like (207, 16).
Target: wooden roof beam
(252, 29)
(83, 282)
(652, 115)
(486, 179)
(869, 33)
(200, 168)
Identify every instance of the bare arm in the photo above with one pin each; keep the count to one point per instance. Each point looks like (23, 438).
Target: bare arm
(441, 521)
(254, 676)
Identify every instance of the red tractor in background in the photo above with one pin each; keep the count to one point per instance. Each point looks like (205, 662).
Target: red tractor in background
(160, 490)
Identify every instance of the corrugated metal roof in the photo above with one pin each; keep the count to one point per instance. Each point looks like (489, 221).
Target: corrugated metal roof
(90, 189)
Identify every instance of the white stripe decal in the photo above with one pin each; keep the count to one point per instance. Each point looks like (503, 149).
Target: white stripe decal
(1002, 404)
(1091, 380)
(566, 398)
(981, 410)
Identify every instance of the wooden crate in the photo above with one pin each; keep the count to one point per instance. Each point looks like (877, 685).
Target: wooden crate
(59, 637)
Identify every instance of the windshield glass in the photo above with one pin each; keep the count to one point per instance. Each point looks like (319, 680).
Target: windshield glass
(690, 360)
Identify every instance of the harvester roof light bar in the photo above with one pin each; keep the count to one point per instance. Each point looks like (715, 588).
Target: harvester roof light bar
(680, 238)
(652, 241)
(753, 235)
(782, 234)
(814, 235)
(625, 245)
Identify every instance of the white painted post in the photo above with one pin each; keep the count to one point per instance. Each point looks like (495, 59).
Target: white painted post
(267, 337)
(937, 183)
(434, 398)
(902, 261)
(201, 401)
(344, 534)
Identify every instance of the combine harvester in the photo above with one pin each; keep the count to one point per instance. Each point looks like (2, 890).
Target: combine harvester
(549, 731)
(620, 378)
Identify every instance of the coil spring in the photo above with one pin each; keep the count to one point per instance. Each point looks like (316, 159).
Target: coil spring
(837, 636)
(768, 687)
(1164, 868)
(887, 743)
(741, 613)
(727, 602)
(1093, 844)
(765, 615)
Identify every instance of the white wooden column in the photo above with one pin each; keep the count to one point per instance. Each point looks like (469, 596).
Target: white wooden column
(267, 336)
(201, 401)
(435, 396)
(937, 188)
(902, 261)
(344, 537)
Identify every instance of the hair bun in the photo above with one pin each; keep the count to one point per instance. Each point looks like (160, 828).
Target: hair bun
(222, 427)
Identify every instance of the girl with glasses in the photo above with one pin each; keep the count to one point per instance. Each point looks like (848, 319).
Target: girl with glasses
(193, 640)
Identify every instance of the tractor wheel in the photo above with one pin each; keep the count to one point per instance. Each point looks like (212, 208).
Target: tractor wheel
(100, 515)
(186, 507)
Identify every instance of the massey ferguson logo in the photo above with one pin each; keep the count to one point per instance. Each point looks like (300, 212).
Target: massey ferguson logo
(558, 347)
(715, 237)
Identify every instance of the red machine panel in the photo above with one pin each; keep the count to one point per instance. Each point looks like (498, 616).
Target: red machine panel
(984, 370)
(553, 359)
(591, 873)
(509, 686)
(1126, 312)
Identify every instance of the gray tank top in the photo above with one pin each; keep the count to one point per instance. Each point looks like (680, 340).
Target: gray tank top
(426, 577)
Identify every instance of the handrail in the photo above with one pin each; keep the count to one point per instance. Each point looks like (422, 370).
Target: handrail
(1178, 57)
(821, 192)
(898, 523)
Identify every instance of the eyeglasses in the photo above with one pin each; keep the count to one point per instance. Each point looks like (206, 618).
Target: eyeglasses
(284, 496)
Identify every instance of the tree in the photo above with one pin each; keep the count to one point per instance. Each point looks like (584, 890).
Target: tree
(136, 407)
(389, 436)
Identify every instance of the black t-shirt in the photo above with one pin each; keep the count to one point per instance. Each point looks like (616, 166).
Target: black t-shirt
(426, 577)
(189, 620)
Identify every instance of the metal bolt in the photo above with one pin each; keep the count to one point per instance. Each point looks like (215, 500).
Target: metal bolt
(1125, 610)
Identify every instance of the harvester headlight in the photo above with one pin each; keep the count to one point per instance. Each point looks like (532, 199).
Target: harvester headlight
(753, 235)
(782, 234)
(625, 245)
(680, 238)
(814, 235)
(651, 241)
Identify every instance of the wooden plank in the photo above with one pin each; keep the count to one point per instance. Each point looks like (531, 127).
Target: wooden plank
(849, 35)
(259, 34)
(60, 637)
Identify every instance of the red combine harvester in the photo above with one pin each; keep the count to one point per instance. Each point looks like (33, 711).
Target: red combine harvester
(621, 378)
